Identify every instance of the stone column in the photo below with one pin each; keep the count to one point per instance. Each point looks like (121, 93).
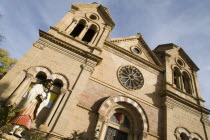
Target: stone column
(103, 130)
(182, 84)
(81, 35)
(70, 101)
(20, 91)
(72, 26)
(94, 37)
(135, 135)
(55, 106)
(53, 110)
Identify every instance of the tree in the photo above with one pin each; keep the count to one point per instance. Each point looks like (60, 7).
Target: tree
(6, 63)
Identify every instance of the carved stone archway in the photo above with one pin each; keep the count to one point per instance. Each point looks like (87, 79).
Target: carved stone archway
(107, 106)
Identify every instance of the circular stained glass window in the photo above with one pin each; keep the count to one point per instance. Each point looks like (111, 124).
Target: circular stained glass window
(130, 78)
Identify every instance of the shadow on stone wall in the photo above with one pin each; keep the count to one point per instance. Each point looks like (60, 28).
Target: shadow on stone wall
(158, 102)
(3, 87)
(93, 118)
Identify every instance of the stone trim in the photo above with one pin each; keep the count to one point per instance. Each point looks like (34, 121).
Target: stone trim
(35, 70)
(85, 108)
(134, 61)
(123, 92)
(184, 103)
(60, 77)
(77, 40)
(114, 99)
(70, 47)
(128, 53)
(62, 50)
(190, 135)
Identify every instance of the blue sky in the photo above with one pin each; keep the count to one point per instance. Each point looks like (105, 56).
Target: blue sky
(184, 23)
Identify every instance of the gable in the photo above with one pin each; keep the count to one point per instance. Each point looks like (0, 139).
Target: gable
(137, 46)
(177, 52)
(101, 12)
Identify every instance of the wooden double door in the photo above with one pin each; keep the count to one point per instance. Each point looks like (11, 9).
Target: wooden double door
(114, 134)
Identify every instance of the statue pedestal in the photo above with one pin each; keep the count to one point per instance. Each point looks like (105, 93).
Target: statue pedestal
(9, 137)
(43, 127)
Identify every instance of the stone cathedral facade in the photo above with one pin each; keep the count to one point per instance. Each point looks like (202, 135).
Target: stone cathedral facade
(109, 89)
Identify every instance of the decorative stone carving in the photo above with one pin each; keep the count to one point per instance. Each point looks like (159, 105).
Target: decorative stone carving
(88, 68)
(130, 77)
(38, 45)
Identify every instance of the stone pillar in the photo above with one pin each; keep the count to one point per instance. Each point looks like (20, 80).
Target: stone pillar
(103, 130)
(103, 36)
(20, 91)
(94, 37)
(55, 106)
(72, 26)
(81, 35)
(135, 135)
(182, 84)
(70, 101)
(66, 20)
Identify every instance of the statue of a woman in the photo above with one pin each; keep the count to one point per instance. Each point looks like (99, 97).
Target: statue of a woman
(37, 97)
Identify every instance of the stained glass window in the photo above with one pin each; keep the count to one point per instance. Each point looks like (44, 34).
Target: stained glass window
(120, 119)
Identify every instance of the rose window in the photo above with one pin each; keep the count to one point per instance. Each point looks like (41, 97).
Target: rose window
(130, 77)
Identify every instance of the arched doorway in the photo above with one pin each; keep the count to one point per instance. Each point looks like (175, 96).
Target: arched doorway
(121, 118)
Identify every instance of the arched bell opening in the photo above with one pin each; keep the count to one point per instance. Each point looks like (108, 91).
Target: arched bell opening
(187, 83)
(78, 29)
(184, 136)
(90, 34)
(177, 78)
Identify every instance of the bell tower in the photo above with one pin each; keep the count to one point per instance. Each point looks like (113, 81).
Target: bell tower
(88, 24)
(67, 54)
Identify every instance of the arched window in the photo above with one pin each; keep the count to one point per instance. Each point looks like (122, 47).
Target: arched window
(119, 129)
(41, 76)
(186, 82)
(89, 34)
(177, 77)
(58, 83)
(78, 29)
(183, 136)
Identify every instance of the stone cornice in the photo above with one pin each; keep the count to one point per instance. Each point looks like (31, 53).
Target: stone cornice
(116, 47)
(70, 47)
(64, 33)
(152, 54)
(186, 102)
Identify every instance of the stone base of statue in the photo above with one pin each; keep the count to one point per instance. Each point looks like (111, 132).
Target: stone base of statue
(5, 136)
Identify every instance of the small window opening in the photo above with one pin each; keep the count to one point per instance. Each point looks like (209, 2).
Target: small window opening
(41, 76)
(93, 17)
(136, 50)
(89, 34)
(78, 29)
(177, 76)
(184, 136)
(58, 83)
(186, 82)
(180, 62)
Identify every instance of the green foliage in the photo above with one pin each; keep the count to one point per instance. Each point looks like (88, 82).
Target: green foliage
(6, 63)
(7, 114)
(75, 136)
(37, 137)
